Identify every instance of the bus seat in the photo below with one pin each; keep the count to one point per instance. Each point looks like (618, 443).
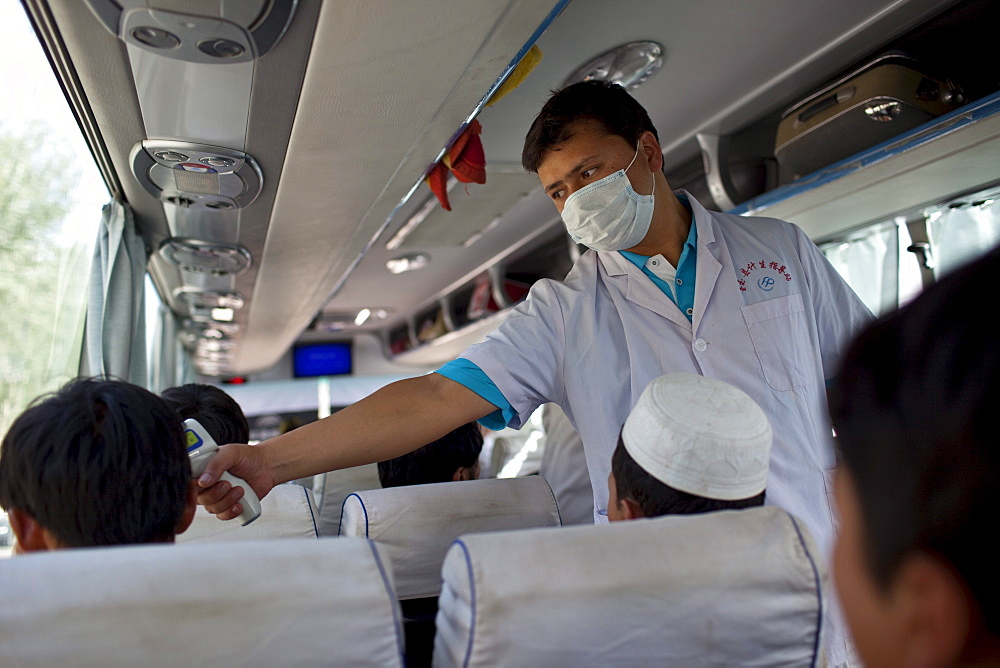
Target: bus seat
(288, 511)
(417, 524)
(332, 488)
(732, 588)
(269, 602)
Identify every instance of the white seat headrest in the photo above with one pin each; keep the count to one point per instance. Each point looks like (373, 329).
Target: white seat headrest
(417, 524)
(272, 602)
(332, 488)
(723, 589)
(287, 511)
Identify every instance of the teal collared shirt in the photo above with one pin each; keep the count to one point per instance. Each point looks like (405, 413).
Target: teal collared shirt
(682, 291)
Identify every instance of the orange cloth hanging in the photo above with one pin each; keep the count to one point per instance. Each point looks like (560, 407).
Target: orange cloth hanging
(465, 159)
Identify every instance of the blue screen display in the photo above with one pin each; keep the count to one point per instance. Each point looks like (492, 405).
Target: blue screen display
(322, 359)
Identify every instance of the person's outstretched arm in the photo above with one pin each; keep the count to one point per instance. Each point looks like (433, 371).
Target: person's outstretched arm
(397, 419)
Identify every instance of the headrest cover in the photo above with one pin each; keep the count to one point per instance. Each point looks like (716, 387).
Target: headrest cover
(701, 436)
(288, 511)
(416, 525)
(303, 602)
(731, 588)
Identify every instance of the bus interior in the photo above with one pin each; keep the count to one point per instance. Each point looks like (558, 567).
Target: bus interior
(272, 157)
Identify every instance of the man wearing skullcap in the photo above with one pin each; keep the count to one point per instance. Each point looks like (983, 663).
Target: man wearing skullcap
(692, 444)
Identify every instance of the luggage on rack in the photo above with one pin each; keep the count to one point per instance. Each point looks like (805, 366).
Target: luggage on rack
(880, 100)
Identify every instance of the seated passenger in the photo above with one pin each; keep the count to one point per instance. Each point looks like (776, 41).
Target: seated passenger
(100, 462)
(919, 479)
(690, 445)
(453, 457)
(215, 410)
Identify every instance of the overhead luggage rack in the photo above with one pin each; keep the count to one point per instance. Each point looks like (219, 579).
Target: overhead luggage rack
(932, 162)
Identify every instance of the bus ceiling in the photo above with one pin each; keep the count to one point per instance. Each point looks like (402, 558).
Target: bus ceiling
(273, 151)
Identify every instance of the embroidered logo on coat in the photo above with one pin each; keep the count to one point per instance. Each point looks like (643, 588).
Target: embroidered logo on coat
(766, 282)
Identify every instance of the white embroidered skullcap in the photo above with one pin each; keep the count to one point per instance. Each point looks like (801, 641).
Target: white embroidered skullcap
(701, 436)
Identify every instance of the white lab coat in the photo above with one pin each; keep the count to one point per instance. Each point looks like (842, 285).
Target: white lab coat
(771, 316)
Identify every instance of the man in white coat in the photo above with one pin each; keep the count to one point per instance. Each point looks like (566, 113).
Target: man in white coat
(668, 287)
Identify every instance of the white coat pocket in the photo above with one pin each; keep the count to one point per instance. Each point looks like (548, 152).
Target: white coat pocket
(780, 334)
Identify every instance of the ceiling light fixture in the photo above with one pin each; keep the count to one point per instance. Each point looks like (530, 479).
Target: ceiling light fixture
(363, 316)
(408, 262)
(627, 65)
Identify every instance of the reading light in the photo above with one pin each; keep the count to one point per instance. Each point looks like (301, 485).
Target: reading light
(363, 316)
(222, 314)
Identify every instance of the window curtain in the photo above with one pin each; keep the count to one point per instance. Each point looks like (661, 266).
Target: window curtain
(170, 364)
(962, 234)
(115, 335)
(870, 265)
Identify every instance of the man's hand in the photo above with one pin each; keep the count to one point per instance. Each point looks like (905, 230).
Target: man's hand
(243, 461)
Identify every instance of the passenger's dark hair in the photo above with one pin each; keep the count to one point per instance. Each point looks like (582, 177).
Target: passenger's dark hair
(215, 410)
(435, 462)
(914, 407)
(100, 462)
(606, 103)
(656, 498)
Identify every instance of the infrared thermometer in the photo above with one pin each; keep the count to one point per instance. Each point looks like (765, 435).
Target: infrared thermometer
(201, 448)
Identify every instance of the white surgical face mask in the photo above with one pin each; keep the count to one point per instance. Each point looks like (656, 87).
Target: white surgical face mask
(609, 215)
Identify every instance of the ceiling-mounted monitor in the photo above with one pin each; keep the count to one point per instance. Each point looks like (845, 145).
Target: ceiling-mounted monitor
(322, 359)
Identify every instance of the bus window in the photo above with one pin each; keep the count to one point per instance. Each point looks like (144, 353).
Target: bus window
(51, 194)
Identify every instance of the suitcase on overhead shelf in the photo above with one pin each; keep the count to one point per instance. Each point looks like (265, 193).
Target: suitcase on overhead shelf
(880, 100)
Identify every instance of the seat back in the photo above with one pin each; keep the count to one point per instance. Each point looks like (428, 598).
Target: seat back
(736, 588)
(287, 511)
(417, 524)
(332, 488)
(270, 602)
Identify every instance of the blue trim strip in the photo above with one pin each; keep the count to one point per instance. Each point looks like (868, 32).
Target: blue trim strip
(819, 590)
(340, 530)
(472, 591)
(393, 603)
(924, 134)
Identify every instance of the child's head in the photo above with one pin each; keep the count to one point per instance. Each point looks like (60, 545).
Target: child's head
(100, 462)
(919, 478)
(215, 410)
(453, 457)
(691, 445)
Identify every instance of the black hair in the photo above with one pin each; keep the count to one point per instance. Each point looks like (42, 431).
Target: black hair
(913, 407)
(605, 103)
(100, 462)
(656, 498)
(435, 462)
(215, 410)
